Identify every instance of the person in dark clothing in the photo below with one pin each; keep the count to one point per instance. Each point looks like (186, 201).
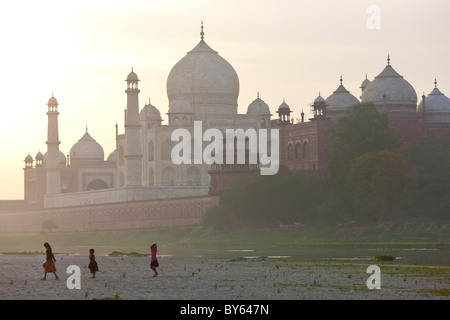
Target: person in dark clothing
(49, 264)
(93, 267)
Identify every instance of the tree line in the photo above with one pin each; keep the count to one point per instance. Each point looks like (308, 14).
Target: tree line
(367, 180)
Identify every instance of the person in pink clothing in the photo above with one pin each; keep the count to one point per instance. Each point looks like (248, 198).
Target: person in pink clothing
(154, 260)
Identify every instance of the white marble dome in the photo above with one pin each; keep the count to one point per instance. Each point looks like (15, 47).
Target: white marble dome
(87, 148)
(150, 112)
(258, 106)
(436, 101)
(340, 99)
(391, 86)
(365, 83)
(112, 156)
(203, 77)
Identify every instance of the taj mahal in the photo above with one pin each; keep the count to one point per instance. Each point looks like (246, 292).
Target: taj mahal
(202, 86)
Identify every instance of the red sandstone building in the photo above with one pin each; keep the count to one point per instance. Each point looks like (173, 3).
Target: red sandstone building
(304, 146)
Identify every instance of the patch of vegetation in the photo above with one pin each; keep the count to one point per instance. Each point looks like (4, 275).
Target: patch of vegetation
(384, 257)
(437, 292)
(128, 254)
(24, 253)
(116, 297)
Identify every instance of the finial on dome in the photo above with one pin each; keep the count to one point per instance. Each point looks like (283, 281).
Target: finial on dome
(201, 32)
(341, 80)
(257, 95)
(389, 60)
(435, 82)
(86, 129)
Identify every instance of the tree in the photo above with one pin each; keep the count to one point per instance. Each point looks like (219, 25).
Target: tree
(380, 184)
(268, 200)
(431, 159)
(362, 129)
(49, 225)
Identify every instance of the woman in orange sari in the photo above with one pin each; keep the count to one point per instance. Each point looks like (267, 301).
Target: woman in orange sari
(49, 265)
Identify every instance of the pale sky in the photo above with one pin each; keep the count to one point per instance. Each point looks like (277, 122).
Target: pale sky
(82, 51)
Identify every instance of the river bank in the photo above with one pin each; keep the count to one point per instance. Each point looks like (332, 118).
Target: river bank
(238, 278)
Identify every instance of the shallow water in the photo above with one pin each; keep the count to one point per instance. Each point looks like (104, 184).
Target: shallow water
(434, 256)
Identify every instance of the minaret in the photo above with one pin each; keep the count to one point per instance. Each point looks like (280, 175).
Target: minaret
(53, 168)
(132, 154)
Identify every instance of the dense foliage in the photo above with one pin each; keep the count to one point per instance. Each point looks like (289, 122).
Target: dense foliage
(368, 180)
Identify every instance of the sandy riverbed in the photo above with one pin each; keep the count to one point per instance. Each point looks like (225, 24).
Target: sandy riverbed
(197, 278)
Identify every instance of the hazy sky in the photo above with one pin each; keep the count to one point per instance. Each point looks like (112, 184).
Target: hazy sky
(82, 51)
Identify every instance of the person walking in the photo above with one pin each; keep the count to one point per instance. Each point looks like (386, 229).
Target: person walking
(49, 264)
(93, 266)
(154, 260)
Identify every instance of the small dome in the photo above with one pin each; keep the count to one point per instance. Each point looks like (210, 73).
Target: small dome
(180, 106)
(112, 156)
(52, 101)
(340, 99)
(39, 156)
(28, 159)
(284, 107)
(258, 106)
(87, 148)
(132, 76)
(365, 83)
(319, 99)
(150, 112)
(437, 105)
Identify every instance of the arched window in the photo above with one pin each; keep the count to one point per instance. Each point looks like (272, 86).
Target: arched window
(121, 180)
(290, 150)
(298, 146)
(305, 148)
(97, 184)
(151, 151)
(151, 177)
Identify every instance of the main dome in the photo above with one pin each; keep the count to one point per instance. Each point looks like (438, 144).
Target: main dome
(205, 79)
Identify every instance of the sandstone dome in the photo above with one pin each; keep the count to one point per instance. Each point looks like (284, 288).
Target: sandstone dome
(206, 80)
(87, 149)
